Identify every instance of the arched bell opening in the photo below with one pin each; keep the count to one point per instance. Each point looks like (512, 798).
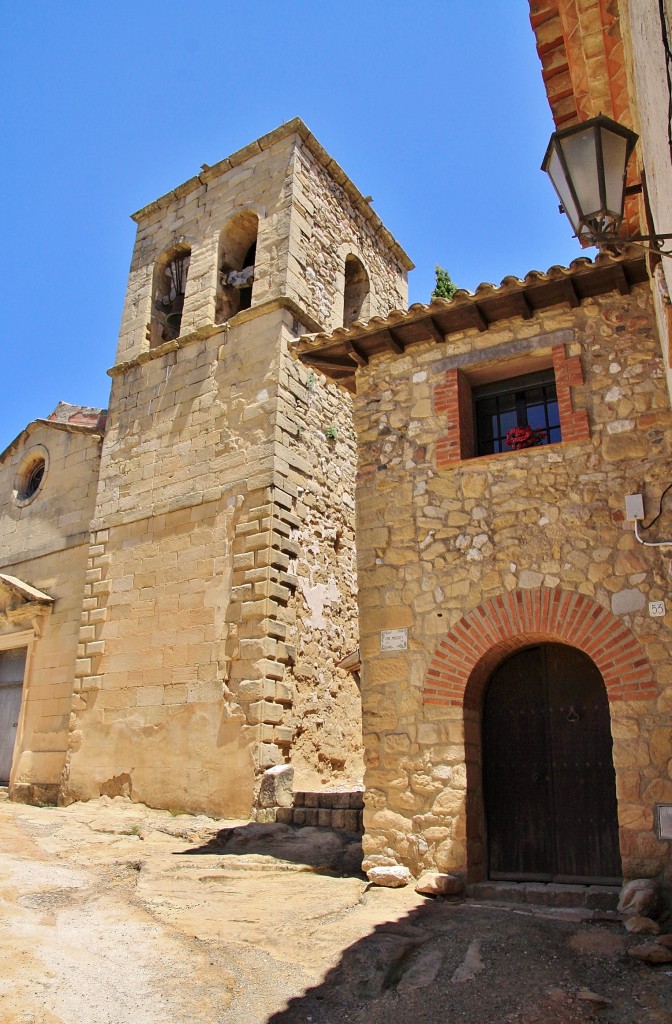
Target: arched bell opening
(544, 808)
(356, 291)
(236, 265)
(168, 290)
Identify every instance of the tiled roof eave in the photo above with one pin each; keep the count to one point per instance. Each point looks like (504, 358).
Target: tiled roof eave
(339, 354)
(73, 428)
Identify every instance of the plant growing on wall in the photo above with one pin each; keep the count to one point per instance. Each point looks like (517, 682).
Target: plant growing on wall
(444, 287)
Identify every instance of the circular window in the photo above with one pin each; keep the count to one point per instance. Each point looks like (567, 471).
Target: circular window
(30, 476)
(34, 479)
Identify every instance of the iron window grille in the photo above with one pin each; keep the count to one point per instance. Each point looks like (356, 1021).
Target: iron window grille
(527, 401)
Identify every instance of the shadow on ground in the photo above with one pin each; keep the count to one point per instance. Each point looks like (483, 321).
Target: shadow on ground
(458, 963)
(324, 851)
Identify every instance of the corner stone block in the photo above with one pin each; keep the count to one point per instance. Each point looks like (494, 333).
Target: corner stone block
(265, 711)
(283, 735)
(276, 786)
(269, 755)
(270, 669)
(260, 647)
(253, 689)
(284, 693)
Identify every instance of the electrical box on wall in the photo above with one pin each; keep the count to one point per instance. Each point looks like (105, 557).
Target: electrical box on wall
(634, 506)
(665, 821)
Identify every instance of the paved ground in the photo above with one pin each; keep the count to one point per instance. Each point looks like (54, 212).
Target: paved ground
(114, 914)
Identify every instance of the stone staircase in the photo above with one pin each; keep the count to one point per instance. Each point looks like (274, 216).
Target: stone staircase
(339, 811)
(547, 894)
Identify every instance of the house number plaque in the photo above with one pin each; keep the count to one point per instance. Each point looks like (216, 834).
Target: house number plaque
(393, 639)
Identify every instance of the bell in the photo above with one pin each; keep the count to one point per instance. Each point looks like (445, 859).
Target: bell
(173, 321)
(174, 318)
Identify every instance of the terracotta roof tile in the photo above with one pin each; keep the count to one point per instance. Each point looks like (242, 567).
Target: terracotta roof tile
(489, 303)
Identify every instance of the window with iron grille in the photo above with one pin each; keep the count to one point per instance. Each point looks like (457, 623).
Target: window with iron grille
(528, 401)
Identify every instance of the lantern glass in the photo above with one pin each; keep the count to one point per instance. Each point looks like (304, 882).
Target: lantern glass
(587, 165)
(615, 155)
(556, 173)
(580, 153)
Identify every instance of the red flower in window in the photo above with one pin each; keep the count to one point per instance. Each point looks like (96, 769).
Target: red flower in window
(524, 437)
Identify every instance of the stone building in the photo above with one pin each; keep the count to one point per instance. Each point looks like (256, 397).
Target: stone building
(48, 481)
(511, 627)
(514, 634)
(216, 590)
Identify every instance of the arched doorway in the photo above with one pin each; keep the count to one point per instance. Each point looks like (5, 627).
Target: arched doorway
(549, 782)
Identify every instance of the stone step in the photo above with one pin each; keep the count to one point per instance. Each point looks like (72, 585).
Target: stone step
(339, 810)
(324, 817)
(326, 799)
(547, 894)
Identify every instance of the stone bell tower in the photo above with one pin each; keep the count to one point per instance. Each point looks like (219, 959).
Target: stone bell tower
(221, 582)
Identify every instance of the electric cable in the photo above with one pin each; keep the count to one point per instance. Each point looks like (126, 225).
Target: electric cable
(660, 509)
(652, 543)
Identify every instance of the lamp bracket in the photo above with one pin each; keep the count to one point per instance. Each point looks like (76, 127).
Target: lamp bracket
(655, 243)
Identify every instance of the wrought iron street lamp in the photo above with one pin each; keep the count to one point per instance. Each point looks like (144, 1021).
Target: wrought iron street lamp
(587, 165)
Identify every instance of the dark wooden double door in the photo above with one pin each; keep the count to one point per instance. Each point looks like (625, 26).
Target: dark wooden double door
(550, 789)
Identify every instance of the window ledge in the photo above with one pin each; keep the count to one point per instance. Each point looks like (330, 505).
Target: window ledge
(477, 461)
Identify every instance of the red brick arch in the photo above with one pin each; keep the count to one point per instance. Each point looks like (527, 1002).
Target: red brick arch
(468, 655)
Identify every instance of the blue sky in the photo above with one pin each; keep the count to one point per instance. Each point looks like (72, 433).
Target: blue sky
(436, 109)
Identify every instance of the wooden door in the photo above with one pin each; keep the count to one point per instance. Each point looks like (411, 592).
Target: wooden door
(550, 787)
(12, 666)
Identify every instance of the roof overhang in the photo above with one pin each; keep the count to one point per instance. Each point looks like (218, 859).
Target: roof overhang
(72, 428)
(583, 65)
(340, 354)
(22, 605)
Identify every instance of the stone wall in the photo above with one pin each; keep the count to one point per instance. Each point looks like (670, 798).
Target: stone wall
(327, 225)
(44, 542)
(477, 557)
(203, 659)
(315, 423)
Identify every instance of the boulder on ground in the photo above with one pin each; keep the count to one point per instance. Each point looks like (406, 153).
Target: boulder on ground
(390, 876)
(594, 998)
(433, 883)
(651, 953)
(637, 925)
(640, 897)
